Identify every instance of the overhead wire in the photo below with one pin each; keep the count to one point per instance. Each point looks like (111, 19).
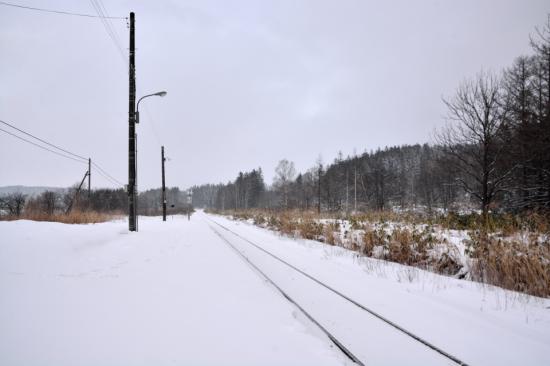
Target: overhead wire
(66, 153)
(42, 147)
(108, 20)
(152, 125)
(43, 141)
(101, 11)
(114, 180)
(54, 11)
(108, 179)
(109, 28)
(105, 18)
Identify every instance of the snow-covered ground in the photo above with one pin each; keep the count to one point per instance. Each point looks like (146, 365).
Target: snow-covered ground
(176, 293)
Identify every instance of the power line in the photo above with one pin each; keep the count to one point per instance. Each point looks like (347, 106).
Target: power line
(107, 178)
(107, 174)
(113, 35)
(103, 15)
(75, 157)
(107, 24)
(115, 182)
(43, 141)
(107, 18)
(55, 11)
(101, 11)
(42, 147)
(151, 124)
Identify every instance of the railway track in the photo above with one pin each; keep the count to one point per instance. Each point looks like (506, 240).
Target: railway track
(325, 329)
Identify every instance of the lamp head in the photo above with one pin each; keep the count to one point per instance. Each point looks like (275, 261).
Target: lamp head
(161, 93)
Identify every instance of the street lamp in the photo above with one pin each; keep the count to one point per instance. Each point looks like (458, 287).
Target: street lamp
(157, 94)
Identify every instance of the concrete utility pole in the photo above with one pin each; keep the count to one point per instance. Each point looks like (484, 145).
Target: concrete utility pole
(89, 177)
(132, 219)
(189, 204)
(347, 191)
(163, 185)
(319, 189)
(355, 190)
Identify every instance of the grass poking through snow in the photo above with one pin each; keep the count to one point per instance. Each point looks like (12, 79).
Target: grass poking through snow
(514, 253)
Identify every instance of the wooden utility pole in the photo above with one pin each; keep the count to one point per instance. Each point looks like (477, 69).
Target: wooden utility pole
(163, 185)
(89, 177)
(75, 197)
(132, 219)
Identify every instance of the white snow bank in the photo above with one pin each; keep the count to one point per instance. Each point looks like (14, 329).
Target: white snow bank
(171, 294)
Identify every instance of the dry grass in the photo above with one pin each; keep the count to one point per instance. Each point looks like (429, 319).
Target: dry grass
(404, 245)
(401, 248)
(514, 265)
(74, 217)
(330, 234)
(372, 238)
(311, 229)
(506, 224)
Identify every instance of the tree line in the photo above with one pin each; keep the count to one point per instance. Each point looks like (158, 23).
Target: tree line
(403, 175)
(494, 154)
(53, 202)
(150, 201)
(103, 200)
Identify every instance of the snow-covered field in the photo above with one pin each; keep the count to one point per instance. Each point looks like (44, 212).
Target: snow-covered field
(176, 293)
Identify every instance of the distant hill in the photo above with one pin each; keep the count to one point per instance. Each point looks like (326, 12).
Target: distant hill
(30, 191)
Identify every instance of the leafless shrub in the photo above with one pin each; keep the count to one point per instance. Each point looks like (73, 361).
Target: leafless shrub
(13, 203)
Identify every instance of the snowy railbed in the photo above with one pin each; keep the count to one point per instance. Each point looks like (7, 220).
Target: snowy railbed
(481, 324)
(519, 260)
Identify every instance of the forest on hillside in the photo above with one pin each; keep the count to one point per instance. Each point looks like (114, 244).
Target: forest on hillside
(493, 155)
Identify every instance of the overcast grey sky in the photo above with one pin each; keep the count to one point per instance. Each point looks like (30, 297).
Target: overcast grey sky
(249, 82)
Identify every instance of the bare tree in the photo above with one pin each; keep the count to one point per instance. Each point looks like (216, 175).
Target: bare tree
(285, 173)
(540, 144)
(13, 203)
(48, 202)
(475, 138)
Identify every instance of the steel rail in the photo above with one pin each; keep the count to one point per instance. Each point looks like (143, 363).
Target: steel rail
(361, 306)
(343, 348)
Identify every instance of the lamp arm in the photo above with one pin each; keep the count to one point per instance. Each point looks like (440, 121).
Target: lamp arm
(139, 100)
